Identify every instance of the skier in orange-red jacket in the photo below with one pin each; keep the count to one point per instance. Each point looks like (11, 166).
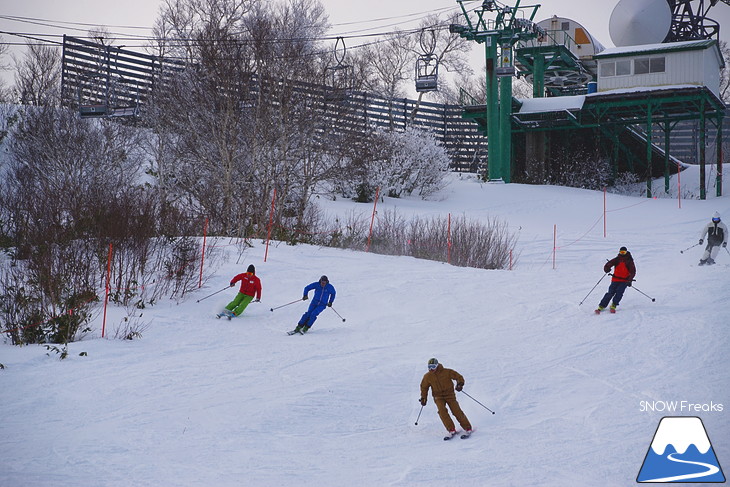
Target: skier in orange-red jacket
(250, 288)
(624, 271)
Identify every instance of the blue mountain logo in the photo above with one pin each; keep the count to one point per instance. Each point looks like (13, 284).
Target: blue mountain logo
(680, 452)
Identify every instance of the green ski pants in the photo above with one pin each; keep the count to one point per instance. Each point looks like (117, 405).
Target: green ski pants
(239, 303)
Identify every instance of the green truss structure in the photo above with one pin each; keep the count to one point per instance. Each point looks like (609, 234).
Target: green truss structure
(620, 125)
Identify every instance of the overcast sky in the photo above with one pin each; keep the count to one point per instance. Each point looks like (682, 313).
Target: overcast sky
(347, 17)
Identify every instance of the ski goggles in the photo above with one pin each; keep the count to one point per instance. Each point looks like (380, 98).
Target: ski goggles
(622, 252)
(715, 220)
(432, 366)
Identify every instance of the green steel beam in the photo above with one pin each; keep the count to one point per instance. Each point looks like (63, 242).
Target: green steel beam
(493, 145)
(703, 138)
(505, 128)
(503, 32)
(648, 153)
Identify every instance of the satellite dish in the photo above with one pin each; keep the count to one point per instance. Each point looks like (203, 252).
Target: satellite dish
(637, 22)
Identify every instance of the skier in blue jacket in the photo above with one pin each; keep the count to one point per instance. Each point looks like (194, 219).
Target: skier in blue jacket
(324, 296)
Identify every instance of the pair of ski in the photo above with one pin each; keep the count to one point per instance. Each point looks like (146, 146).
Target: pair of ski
(464, 436)
(226, 313)
(295, 332)
(598, 311)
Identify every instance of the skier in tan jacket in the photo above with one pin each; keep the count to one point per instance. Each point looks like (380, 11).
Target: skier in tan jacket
(440, 380)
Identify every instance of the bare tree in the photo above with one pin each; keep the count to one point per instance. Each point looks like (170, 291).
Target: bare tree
(196, 113)
(4, 91)
(385, 66)
(240, 118)
(38, 75)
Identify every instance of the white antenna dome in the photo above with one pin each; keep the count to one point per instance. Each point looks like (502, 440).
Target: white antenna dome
(637, 22)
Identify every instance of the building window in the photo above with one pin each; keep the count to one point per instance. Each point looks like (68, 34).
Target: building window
(623, 68)
(616, 68)
(641, 66)
(656, 65)
(649, 65)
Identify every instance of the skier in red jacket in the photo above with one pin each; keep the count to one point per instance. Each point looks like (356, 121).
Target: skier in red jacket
(623, 273)
(250, 288)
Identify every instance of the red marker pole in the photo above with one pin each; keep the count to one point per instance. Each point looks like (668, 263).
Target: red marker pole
(372, 219)
(106, 291)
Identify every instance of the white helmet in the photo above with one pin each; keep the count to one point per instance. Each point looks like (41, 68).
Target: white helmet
(716, 216)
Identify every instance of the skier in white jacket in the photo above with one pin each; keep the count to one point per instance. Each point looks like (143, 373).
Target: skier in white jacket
(716, 233)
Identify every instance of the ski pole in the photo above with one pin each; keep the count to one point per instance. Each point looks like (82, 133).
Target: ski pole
(287, 304)
(726, 250)
(213, 294)
(594, 287)
(685, 250)
(419, 414)
(482, 405)
(338, 314)
(652, 299)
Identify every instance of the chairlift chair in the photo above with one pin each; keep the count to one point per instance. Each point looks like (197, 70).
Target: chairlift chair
(338, 83)
(90, 104)
(426, 73)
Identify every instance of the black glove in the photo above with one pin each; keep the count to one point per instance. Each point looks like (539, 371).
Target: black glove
(233, 284)
(724, 244)
(629, 284)
(459, 386)
(305, 297)
(329, 305)
(701, 242)
(422, 401)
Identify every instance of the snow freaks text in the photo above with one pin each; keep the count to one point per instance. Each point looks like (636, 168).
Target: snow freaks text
(680, 407)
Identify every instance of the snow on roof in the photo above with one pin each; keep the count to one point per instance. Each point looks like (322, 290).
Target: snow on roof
(552, 104)
(636, 89)
(669, 46)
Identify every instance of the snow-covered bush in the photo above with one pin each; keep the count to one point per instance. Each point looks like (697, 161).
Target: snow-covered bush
(399, 163)
(410, 163)
(582, 170)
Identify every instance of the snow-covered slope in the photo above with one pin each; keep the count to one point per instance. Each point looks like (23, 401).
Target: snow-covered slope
(205, 402)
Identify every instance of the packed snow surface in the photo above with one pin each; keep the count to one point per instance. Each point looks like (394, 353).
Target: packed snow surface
(204, 402)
